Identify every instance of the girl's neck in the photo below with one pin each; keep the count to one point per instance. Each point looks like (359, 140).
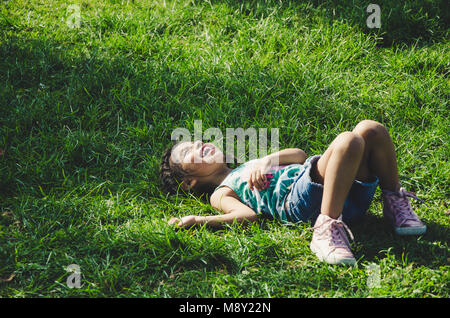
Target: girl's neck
(217, 178)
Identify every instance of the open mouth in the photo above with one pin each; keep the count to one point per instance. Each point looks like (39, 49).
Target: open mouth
(207, 149)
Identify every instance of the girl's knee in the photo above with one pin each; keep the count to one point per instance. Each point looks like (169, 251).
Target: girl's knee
(350, 142)
(370, 129)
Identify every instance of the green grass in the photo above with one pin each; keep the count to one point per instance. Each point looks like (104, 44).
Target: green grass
(86, 113)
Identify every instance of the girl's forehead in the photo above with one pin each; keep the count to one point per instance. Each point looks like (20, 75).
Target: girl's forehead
(181, 145)
(176, 151)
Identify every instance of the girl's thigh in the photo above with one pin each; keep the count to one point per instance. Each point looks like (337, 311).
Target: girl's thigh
(305, 199)
(318, 171)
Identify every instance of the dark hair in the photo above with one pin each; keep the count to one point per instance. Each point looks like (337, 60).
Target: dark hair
(172, 175)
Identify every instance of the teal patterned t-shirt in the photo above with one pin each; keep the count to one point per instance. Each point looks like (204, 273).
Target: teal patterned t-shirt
(268, 201)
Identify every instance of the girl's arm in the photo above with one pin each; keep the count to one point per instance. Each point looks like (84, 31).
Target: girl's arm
(287, 156)
(225, 200)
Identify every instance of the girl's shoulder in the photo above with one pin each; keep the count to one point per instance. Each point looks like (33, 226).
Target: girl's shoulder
(221, 192)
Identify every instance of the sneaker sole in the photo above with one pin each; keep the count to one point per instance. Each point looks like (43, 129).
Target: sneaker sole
(334, 261)
(416, 230)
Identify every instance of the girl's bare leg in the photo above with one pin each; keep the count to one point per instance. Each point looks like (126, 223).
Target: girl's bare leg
(337, 169)
(366, 151)
(379, 154)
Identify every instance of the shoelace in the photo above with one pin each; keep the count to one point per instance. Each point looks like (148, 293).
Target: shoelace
(399, 200)
(338, 232)
(402, 193)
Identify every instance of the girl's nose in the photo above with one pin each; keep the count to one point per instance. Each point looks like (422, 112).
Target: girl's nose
(198, 144)
(197, 148)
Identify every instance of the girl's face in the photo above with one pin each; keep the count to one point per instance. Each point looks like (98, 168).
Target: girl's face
(198, 159)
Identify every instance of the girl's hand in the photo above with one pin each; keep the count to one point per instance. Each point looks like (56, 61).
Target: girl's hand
(185, 221)
(257, 175)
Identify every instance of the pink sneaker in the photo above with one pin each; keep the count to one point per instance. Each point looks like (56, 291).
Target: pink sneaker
(397, 210)
(329, 242)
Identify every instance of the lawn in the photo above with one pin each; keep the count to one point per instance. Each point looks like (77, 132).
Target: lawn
(88, 106)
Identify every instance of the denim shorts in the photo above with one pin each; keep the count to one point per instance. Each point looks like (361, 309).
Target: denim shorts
(305, 197)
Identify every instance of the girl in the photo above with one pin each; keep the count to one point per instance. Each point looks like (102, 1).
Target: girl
(329, 190)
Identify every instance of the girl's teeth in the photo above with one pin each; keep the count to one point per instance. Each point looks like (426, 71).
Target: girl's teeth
(206, 151)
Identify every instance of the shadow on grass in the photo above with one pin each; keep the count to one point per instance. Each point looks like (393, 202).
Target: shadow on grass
(402, 22)
(80, 115)
(375, 238)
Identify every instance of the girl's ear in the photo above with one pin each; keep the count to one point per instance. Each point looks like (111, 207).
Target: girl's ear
(189, 183)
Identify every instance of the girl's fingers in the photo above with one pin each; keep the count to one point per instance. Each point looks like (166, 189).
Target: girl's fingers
(173, 220)
(250, 183)
(259, 179)
(256, 179)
